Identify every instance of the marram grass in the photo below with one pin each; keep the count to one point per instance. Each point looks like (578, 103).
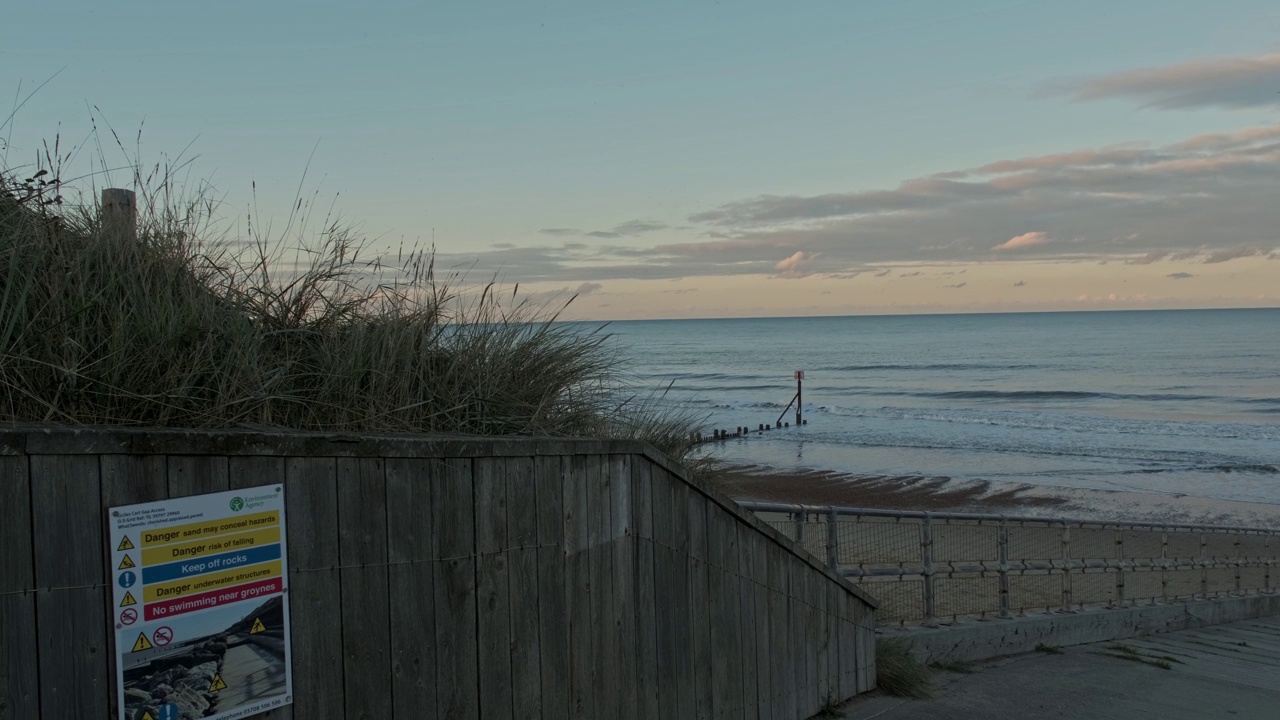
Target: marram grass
(182, 327)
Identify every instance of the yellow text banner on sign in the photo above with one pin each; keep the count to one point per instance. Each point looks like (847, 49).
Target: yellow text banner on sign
(214, 545)
(209, 528)
(204, 583)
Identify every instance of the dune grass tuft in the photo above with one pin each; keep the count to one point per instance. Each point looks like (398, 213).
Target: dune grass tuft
(181, 326)
(898, 672)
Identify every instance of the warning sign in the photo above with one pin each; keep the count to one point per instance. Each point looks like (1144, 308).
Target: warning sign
(205, 580)
(142, 643)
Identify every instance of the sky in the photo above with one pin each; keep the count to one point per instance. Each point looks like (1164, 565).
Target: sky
(705, 159)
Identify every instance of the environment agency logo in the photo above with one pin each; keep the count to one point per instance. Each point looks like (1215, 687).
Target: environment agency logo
(237, 504)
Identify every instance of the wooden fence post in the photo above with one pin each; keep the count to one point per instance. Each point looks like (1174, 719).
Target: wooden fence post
(119, 214)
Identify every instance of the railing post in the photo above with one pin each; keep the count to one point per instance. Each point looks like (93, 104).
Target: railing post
(1119, 567)
(1266, 557)
(798, 516)
(1004, 566)
(926, 560)
(1066, 567)
(833, 538)
(1237, 561)
(1164, 565)
(1204, 567)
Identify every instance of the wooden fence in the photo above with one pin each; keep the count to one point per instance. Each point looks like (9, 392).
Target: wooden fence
(443, 577)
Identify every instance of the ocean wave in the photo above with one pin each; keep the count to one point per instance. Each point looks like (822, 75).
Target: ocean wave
(927, 367)
(1031, 395)
(1227, 467)
(1057, 422)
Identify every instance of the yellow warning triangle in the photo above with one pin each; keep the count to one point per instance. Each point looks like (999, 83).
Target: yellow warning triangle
(128, 599)
(125, 544)
(126, 563)
(146, 715)
(257, 626)
(142, 643)
(217, 684)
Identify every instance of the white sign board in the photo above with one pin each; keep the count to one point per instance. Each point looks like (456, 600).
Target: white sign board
(200, 612)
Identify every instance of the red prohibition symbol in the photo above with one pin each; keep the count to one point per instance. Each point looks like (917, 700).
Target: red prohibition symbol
(162, 636)
(129, 616)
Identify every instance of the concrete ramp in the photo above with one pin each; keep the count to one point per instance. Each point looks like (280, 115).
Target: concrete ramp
(1225, 671)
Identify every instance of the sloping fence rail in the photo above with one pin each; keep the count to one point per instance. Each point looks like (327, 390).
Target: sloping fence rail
(924, 567)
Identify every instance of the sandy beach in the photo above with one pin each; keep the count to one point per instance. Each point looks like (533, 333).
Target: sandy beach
(944, 494)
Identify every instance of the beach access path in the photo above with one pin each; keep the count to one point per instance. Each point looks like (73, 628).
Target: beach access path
(1225, 671)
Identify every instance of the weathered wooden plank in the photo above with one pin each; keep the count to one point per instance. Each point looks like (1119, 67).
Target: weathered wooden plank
(246, 471)
(721, 621)
(623, 545)
(411, 585)
(493, 624)
(127, 480)
(553, 622)
(646, 656)
(197, 474)
(522, 535)
(867, 656)
(683, 621)
(749, 621)
(699, 600)
(71, 620)
(600, 540)
(813, 635)
(578, 587)
(454, 540)
(667, 601)
(19, 655)
(847, 662)
(315, 600)
(784, 658)
(366, 607)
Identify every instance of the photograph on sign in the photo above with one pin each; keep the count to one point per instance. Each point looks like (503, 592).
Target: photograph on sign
(200, 606)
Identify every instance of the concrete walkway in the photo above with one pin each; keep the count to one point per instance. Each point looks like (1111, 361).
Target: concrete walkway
(1225, 671)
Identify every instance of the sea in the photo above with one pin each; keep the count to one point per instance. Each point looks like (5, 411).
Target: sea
(1183, 402)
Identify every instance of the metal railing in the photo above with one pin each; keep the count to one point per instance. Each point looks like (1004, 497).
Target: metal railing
(924, 567)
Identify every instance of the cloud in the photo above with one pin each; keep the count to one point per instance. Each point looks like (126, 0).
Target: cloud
(910, 274)
(1224, 255)
(793, 266)
(1153, 256)
(562, 295)
(1020, 283)
(1239, 82)
(1023, 241)
(1189, 200)
(883, 273)
(630, 228)
(957, 285)
(1180, 275)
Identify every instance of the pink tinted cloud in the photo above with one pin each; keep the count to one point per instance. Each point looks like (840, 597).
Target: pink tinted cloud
(1023, 241)
(1236, 82)
(792, 267)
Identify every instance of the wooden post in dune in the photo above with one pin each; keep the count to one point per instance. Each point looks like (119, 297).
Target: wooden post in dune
(119, 214)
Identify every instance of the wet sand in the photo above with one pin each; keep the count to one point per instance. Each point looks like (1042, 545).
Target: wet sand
(943, 494)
